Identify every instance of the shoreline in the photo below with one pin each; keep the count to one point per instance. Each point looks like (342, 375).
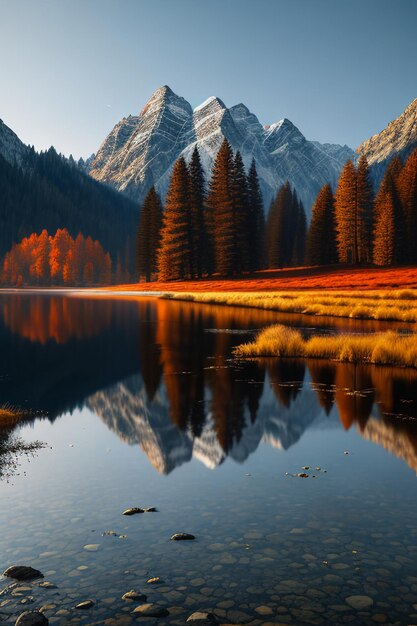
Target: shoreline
(396, 305)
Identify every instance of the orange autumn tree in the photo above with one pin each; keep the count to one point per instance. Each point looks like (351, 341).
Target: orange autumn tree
(57, 260)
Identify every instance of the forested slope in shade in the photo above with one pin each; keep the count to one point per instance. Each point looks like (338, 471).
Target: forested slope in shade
(47, 191)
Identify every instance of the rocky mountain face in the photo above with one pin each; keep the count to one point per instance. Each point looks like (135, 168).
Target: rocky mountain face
(141, 149)
(11, 148)
(398, 138)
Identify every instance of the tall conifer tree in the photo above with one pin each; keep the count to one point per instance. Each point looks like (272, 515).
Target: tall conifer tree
(407, 187)
(239, 190)
(174, 255)
(279, 241)
(364, 211)
(201, 246)
(345, 211)
(386, 249)
(321, 242)
(149, 232)
(256, 221)
(220, 204)
(299, 233)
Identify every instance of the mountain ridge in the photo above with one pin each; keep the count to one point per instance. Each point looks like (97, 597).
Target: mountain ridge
(127, 157)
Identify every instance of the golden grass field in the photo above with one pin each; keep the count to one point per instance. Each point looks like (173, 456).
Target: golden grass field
(387, 348)
(391, 305)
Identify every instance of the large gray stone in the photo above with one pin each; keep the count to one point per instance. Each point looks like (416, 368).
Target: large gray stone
(22, 572)
(32, 618)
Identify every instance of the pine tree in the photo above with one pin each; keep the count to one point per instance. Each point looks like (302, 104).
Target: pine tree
(148, 238)
(201, 245)
(174, 254)
(299, 233)
(239, 191)
(364, 211)
(346, 215)
(353, 210)
(279, 242)
(321, 242)
(220, 205)
(256, 221)
(386, 250)
(389, 231)
(407, 187)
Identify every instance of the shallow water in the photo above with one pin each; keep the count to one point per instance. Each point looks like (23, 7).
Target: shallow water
(144, 407)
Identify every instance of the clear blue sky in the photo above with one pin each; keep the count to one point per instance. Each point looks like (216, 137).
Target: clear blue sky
(339, 69)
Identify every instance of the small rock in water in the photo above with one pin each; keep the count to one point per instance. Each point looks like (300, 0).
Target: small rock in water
(150, 610)
(133, 511)
(110, 533)
(154, 580)
(182, 537)
(359, 602)
(86, 604)
(32, 618)
(22, 572)
(134, 595)
(306, 467)
(318, 469)
(346, 452)
(200, 616)
(47, 585)
(151, 509)
(302, 475)
(92, 547)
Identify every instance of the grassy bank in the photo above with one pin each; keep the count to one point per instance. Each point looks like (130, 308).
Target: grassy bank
(10, 416)
(387, 348)
(324, 278)
(397, 305)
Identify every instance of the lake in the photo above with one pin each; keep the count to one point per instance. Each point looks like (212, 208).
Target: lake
(141, 404)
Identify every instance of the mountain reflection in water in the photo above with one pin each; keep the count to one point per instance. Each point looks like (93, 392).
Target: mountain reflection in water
(158, 376)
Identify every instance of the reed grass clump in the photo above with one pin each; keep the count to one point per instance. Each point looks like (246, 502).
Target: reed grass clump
(388, 348)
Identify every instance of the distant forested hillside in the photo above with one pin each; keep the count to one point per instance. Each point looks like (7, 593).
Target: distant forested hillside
(49, 192)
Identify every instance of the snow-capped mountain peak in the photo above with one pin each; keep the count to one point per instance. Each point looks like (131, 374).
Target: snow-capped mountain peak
(140, 150)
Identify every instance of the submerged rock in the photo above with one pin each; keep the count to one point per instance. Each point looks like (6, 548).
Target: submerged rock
(359, 602)
(134, 595)
(150, 610)
(22, 572)
(32, 618)
(86, 604)
(133, 511)
(47, 585)
(182, 537)
(200, 616)
(92, 547)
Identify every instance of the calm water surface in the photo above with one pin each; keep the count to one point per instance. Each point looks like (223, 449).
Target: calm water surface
(141, 405)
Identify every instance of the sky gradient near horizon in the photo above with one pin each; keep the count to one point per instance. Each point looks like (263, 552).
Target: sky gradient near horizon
(339, 70)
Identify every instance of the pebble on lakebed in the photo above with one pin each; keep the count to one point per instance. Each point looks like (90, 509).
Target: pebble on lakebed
(136, 509)
(133, 511)
(134, 595)
(150, 610)
(86, 604)
(200, 616)
(182, 537)
(22, 572)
